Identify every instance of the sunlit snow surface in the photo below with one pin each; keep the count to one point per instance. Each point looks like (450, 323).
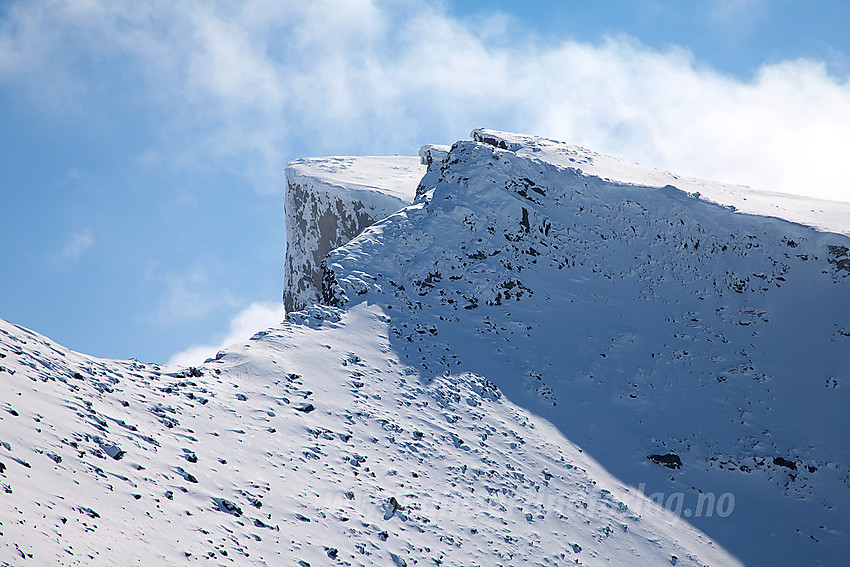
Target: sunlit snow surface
(316, 443)
(395, 176)
(488, 350)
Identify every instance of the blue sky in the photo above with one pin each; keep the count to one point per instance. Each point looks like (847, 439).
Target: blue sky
(143, 144)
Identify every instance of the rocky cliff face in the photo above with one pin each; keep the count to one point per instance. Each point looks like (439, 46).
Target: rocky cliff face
(328, 202)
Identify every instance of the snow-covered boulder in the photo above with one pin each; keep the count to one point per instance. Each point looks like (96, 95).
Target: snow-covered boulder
(331, 200)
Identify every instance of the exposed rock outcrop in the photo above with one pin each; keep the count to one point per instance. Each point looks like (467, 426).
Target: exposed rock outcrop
(331, 200)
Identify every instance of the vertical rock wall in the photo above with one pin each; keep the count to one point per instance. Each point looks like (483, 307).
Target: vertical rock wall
(328, 202)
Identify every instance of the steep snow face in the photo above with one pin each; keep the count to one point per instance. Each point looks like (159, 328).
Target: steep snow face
(314, 444)
(695, 351)
(331, 200)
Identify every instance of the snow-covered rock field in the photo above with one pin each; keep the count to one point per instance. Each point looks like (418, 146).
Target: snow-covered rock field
(313, 444)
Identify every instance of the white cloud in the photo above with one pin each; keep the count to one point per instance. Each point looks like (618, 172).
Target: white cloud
(243, 325)
(242, 86)
(76, 245)
(191, 294)
(735, 17)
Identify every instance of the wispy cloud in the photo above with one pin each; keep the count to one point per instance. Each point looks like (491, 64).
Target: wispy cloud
(736, 17)
(242, 86)
(243, 325)
(75, 246)
(189, 295)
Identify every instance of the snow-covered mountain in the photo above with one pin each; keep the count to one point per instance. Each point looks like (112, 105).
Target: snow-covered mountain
(642, 314)
(508, 371)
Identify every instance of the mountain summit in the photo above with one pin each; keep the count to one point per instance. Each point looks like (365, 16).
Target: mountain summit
(507, 351)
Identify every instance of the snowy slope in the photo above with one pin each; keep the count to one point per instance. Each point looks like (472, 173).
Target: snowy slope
(640, 319)
(331, 200)
(315, 444)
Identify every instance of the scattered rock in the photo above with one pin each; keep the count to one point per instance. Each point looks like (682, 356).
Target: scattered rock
(113, 451)
(227, 506)
(87, 511)
(670, 460)
(393, 502)
(189, 477)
